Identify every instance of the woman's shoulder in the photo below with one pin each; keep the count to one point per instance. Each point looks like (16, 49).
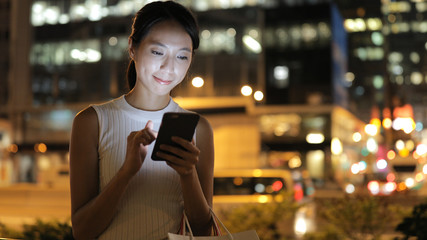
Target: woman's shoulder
(203, 122)
(85, 127)
(114, 103)
(204, 127)
(86, 116)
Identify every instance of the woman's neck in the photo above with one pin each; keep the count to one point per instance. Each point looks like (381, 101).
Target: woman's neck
(146, 100)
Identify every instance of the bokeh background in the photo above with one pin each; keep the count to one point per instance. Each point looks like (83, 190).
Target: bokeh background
(332, 91)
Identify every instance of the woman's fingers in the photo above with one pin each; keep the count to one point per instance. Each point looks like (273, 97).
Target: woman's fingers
(148, 132)
(136, 151)
(185, 150)
(145, 136)
(137, 142)
(183, 158)
(189, 146)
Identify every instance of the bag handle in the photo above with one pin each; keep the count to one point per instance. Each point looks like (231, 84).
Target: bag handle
(186, 224)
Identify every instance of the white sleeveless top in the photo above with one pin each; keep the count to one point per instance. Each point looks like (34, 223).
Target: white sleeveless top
(153, 204)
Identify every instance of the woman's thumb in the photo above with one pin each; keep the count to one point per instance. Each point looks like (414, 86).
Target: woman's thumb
(149, 124)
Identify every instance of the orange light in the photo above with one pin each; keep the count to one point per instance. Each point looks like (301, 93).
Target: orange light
(404, 152)
(391, 154)
(376, 122)
(387, 113)
(13, 148)
(238, 181)
(406, 111)
(401, 186)
(387, 123)
(40, 147)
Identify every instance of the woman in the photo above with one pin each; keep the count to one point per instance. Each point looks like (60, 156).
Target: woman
(117, 190)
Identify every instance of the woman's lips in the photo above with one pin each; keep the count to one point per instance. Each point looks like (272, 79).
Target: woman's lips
(163, 82)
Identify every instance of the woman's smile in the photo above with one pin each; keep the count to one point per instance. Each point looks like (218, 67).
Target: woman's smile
(161, 81)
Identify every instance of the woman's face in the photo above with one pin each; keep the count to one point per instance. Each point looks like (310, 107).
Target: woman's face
(163, 57)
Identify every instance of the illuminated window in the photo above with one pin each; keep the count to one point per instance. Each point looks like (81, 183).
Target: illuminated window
(217, 40)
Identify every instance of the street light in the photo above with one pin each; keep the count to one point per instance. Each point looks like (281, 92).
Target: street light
(357, 137)
(246, 90)
(258, 96)
(371, 129)
(315, 138)
(336, 146)
(198, 82)
(40, 148)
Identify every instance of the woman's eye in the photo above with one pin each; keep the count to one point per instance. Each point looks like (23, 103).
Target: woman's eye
(156, 52)
(182, 57)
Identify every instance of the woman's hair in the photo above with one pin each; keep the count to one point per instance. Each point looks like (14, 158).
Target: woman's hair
(156, 12)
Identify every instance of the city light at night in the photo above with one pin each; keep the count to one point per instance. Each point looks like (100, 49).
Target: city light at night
(311, 106)
(246, 90)
(197, 82)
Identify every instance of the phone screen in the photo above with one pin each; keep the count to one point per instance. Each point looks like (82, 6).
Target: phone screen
(175, 124)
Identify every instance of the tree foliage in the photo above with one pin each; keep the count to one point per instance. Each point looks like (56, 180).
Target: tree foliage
(40, 230)
(361, 217)
(272, 221)
(416, 224)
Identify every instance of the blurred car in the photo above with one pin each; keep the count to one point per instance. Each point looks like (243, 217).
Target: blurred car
(381, 187)
(381, 184)
(408, 177)
(234, 187)
(408, 173)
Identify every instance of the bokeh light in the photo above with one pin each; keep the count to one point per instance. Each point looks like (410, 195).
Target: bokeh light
(198, 82)
(258, 96)
(246, 90)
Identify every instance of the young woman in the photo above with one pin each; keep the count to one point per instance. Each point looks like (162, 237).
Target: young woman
(117, 190)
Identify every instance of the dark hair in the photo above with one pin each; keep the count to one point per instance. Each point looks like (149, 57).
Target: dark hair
(156, 12)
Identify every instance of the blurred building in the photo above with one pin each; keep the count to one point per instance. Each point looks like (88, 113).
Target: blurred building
(387, 45)
(386, 42)
(310, 71)
(4, 48)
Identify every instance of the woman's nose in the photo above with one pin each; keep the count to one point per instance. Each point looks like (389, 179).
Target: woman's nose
(168, 64)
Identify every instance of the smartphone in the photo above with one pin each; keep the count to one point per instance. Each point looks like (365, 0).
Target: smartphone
(175, 124)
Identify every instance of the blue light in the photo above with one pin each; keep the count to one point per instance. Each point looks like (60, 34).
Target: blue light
(365, 152)
(419, 126)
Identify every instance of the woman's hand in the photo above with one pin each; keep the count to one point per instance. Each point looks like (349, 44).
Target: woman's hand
(185, 160)
(136, 150)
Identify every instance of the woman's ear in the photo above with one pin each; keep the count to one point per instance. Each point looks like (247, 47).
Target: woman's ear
(131, 49)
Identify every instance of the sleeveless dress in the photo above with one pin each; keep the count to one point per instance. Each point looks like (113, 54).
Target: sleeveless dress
(153, 204)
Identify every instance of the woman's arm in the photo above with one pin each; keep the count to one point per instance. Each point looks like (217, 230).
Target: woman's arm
(91, 213)
(91, 210)
(196, 171)
(197, 210)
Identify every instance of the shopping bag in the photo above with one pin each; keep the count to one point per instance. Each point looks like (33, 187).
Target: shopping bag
(245, 235)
